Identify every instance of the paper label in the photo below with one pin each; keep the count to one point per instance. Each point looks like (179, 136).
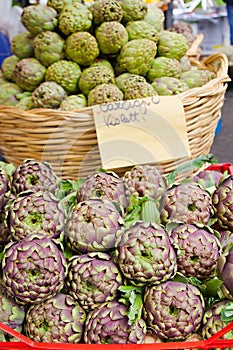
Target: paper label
(142, 131)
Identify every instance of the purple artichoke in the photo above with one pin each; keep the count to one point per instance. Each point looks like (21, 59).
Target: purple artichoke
(59, 319)
(36, 176)
(225, 267)
(223, 203)
(188, 203)
(93, 225)
(145, 254)
(4, 187)
(92, 279)
(33, 269)
(197, 250)
(208, 178)
(173, 310)
(108, 324)
(36, 212)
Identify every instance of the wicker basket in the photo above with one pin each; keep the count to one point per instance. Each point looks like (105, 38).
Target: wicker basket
(68, 141)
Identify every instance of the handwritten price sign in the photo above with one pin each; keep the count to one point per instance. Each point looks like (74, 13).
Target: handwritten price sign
(143, 131)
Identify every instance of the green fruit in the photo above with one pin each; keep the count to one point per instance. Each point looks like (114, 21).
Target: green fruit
(48, 95)
(8, 66)
(111, 37)
(141, 29)
(29, 73)
(104, 93)
(172, 45)
(22, 45)
(164, 66)
(105, 11)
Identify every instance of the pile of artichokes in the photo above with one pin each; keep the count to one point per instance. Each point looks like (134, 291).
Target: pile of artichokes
(108, 259)
(74, 54)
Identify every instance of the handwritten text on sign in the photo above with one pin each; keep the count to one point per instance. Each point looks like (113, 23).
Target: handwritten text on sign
(141, 131)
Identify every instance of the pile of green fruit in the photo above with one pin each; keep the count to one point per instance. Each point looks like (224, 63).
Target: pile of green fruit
(109, 259)
(74, 55)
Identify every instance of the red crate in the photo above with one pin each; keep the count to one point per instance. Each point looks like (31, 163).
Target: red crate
(222, 167)
(25, 343)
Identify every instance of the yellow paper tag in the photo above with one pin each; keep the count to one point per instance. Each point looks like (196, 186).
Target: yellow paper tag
(142, 131)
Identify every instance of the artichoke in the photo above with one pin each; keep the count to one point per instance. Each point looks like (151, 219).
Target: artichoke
(35, 176)
(185, 63)
(58, 5)
(64, 73)
(133, 10)
(225, 269)
(75, 17)
(212, 321)
(223, 203)
(106, 185)
(173, 310)
(8, 94)
(73, 102)
(145, 254)
(22, 45)
(48, 95)
(197, 77)
(172, 45)
(141, 30)
(5, 233)
(93, 225)
(4, 187)
(104, 93)
(197, 250)
(33, 269)
(11, 313)
(155, 16)
(137, 56)
(35, 212)
(48, 47)
(144, 180)
(105, 11)
(29, 73)
(167, 86)
(57, 320)
(111, 37)
(8, 66)
(208, 178)
(128, 80)
(38, 18)
(164, 66)
(139, 90)
(92, 279)
(108, 324)
(25, 103)
(187, 203)
(82, 48)
(95, 75)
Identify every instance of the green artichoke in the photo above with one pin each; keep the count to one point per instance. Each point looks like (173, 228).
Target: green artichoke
(48, 47)
(104, 93)
(164, 66)
(64, 73)
(185, 63)
(33, 269)
(38, 18)
(8, 66)
(106, 185)
(36, 212)
(48, 95)
(111, 37)
(173, 310)
(187, 203)
(141, 30)
(92, 279)
(145, 255)
(22, 45)
(133, 10)
(58, 5)
(8, 94)
(197, 77)
(57, 320)
(197, 250)
(128, 80)
(95, 75)
(75, 17)
(35, 176)
(93, 225)
(155, 16)
(167, 86)
(105, 11)
(82, 48)
(73, 102)
(139, 90)
(137, 56)
(223, 203)
(29, 73)
(108, 324)
(25, 103)
(172, 45)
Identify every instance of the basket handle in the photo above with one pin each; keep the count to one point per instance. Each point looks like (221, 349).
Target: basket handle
(214, 58)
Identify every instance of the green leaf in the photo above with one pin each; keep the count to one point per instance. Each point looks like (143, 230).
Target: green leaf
(150, 211)
(133, 297)
(227, 312)
(8, 167)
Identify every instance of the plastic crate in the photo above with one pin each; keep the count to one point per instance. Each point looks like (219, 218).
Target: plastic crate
(25, 343)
